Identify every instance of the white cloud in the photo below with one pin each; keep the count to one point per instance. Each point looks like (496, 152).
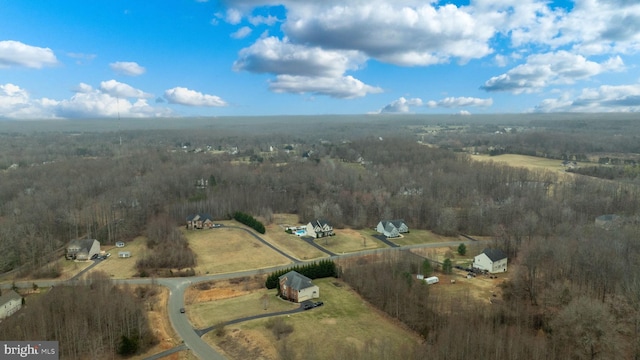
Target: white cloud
(87, 102)
(118, 89)
(234, 16)
(606, 98)
(184, 96)
(275, 56)
(242, 33)
(401, 105)
(454, 102)
(345, 87)
(464, 113)
(15, 53)
(542, 70)
(267, 20)
(127, 68)
(405, 33)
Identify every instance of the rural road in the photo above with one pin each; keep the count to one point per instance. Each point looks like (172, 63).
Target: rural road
(177, 286)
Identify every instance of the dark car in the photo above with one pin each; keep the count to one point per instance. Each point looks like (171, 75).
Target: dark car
(307, 306)
(318, 303)
(181, 310)
(95, 256)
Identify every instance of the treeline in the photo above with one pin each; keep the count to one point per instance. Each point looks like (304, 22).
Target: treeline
(167, 247)
(315, 270)
(624, 173)
(89, 319)
(250, 221)
(555, 306)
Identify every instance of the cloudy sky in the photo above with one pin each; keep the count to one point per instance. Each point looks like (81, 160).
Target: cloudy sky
(141, 58)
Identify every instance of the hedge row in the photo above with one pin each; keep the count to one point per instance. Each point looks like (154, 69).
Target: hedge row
(316, 270)
(249, 221)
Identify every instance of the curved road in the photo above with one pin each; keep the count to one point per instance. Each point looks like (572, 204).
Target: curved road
(192, 337)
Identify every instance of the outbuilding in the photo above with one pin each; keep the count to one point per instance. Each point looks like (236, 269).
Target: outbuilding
(10, 302)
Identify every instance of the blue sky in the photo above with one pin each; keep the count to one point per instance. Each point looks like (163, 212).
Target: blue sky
(141, 58)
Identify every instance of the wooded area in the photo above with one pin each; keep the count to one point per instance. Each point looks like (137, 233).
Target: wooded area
(575, 280)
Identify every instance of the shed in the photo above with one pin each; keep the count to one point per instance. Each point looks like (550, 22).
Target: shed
(120, 244)
(10, 302)
(124, 254)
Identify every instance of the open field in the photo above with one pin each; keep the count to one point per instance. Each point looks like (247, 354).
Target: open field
(529, 162)
(348, 240)
(223, 250)
(344, 316)
(292, 244)
(123, 268)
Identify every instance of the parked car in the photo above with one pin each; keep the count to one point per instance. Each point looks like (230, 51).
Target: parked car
(182, 310)
(94, 256)
(318, 303)
(216, 225)
(307, 306)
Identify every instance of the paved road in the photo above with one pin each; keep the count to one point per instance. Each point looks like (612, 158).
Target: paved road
(386, 240)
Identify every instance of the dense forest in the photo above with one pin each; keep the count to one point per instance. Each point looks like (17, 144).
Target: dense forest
(575, 293)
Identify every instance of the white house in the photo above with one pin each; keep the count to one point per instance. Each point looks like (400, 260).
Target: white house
(124, 254)
(10, 302)
(120, 244)
(491, 260)
(82, 249)
(319, 228)
(392, 228)
(297, 287)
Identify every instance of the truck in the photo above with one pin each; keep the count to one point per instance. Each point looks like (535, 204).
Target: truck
(432, 280)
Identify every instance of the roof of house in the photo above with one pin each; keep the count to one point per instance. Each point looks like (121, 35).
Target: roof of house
(494, 254)
(396, 223)
(8, 296)
(320, 222)
(296, 280)
(201, 217)
(83, 244)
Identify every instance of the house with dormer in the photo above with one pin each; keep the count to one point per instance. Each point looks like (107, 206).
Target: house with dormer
(199, 221)
(392, 228)
(319, 228)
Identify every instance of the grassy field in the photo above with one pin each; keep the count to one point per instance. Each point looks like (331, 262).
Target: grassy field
(123, 268)
(345, 316)
(347, 240)
(222, 250)
(529, 162)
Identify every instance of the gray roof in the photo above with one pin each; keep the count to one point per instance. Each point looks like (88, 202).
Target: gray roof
(83, 244)
(201, 217)
(296, 280)
(494, 254)
(396, 223)
(8, 296)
